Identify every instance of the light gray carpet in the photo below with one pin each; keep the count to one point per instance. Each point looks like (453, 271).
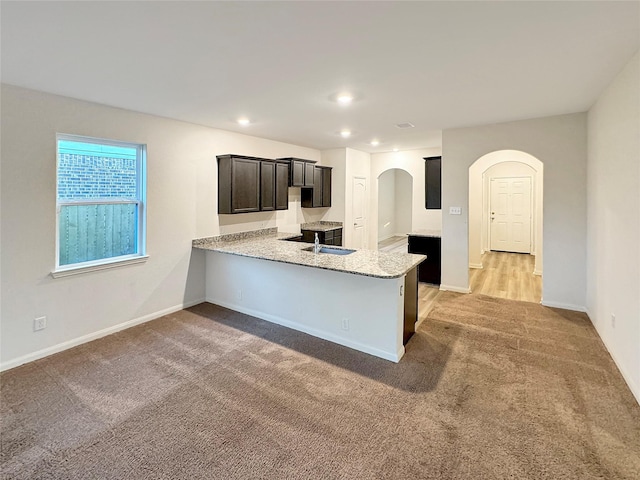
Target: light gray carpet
(488, 389)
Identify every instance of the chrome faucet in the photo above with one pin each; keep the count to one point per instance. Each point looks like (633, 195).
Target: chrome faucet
(316, 244)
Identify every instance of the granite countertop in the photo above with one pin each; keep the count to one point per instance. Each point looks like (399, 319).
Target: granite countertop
(321, 226)
(267, 244)
(426, 233)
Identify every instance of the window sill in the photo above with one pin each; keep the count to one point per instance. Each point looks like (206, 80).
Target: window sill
(77, 270)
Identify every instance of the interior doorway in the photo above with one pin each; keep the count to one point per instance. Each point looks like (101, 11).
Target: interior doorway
(395, 206)
(505, 225)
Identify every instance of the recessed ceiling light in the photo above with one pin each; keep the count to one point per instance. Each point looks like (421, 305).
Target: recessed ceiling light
(243, 121)
(345, 98)
(405, 125)
(375, 143)
(345, 133)
(396, 149)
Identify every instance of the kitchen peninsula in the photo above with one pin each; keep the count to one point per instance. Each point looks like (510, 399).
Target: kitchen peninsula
(365, 300)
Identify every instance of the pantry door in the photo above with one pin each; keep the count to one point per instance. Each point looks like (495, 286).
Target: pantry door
(359, 211)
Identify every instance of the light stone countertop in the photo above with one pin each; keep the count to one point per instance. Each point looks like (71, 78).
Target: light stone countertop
(426, 233)
(321, 226)
(269, 245)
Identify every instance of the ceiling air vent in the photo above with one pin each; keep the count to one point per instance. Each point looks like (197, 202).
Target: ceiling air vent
(405, 125)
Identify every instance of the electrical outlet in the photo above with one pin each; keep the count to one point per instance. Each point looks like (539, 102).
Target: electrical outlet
(39, 323)
(345, 324)
(455, 210)
(613, 320)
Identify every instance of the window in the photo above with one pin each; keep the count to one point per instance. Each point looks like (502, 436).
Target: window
(100, 203)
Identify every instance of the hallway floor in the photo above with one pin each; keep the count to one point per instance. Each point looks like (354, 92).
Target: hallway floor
(504, 275)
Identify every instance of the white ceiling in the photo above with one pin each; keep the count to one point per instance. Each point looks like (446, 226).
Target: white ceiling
(437, 65)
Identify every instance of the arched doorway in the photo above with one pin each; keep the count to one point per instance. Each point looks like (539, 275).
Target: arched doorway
(395, 208)
(505, 203)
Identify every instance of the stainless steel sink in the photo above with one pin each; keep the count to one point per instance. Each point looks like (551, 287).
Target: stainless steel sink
(331, 250)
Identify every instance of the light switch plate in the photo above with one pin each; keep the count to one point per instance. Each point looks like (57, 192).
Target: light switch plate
(455, 210)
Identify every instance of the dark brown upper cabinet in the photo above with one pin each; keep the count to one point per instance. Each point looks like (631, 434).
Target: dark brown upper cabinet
(267, 186)
(326, 186)
(282, 185)
(309, 176)
(433, 183)
(249, 184)
(301, 171)
(320, 194)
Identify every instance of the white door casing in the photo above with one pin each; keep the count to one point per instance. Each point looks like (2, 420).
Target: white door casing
(510, 214)
(359, 206)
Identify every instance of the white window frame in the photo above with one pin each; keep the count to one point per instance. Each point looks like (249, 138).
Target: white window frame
(140, 202)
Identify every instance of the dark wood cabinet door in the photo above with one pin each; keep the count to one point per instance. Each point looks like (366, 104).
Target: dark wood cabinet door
(309, 236)
(320, 194)
(282, 186)
(308, 174)
(238, 184)
(428, 270)
(317, 187)
(326, 187)
(245, 185)
(337, 237)
(297, 173)
(267, 186)
(329, 237)
(410, 305)
(433, 182)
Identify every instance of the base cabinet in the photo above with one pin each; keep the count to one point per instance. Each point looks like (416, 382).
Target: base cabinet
(329, 237)
(410, 304)
(428, 270)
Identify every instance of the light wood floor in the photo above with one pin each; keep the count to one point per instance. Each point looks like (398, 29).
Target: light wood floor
(504, 275)
(397, 244)
(507, 275)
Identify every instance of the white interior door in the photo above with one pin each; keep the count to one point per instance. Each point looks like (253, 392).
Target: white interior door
(359, 211)
(510, 214)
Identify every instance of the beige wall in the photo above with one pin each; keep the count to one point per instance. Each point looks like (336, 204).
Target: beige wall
(412, 162)
(181, 205)
(403, 202)
(337, 159)
(613, 215)
(358, 164)
(386, 204)
(560, 144)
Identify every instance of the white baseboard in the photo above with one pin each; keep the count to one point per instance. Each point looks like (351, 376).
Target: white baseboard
(566, 306)
(537, 273)
(476, 265)
(391, 356)
(452, 288)
(635, 389)
(45, 352)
